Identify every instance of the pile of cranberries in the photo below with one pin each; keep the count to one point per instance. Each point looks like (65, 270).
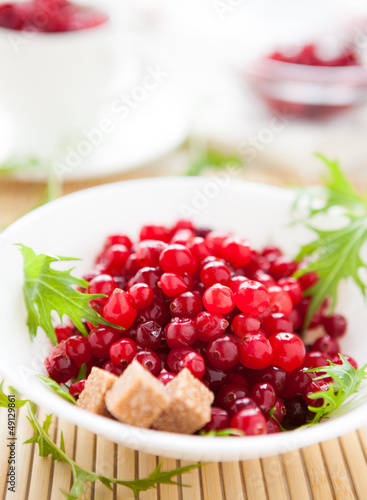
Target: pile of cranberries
(206, 300)
(48, 16)
(308, 55)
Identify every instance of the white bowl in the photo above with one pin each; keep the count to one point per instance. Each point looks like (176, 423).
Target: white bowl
(76, 226)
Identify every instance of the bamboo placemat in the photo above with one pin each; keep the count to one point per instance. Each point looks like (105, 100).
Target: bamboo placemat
(335, 469)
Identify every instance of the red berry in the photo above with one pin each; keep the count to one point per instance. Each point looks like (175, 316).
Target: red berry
(230, 393)
(335, 325)
(243, 324)
(251, 298)
(315, 359)
(148, 275)
(76, 388)
(149, 334)
(165, 377)
(241, 404)
(59, 366)
(272, 426)
(215, 240)
(199, 248)
(100, 340)
(63, 332)
(219, 420)
(251, 421)
(177, 259)
(307, 280)
(351, 360)
(326, 344)
(150, 360)
(223, 352)
(282, 267)
(280, 300)
(215, 378)
(274, 375)
(256, 351)
(111, 367)
(264, 396)
(194, 362)
(236, 281)
(289, 351)
(142, 295)
(293, 288)
(182, 237)
(218, 299)
(114, 259)
(297, 412)
(104, 283)
(118, 239)
(181, 332)
(155, 232)
(279, 410)
(186, 305)
(175, 356)
(119, 310)
(275, 323)
(123, 351)
(148, 251)
(172, 284)
(131, 265)
(236, 251)
(210, 325)
(77, 348)
(215, 272)
(312, 388)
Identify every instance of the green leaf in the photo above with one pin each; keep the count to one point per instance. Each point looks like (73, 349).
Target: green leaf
(46, 290)
(4, 401)
(210, 157)
(82, 373)
(223, 433)
(346, 382)
(56, 388)
(334, 255)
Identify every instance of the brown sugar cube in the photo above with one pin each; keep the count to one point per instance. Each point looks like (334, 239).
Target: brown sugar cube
(92, 397)
(137, 398)
(189, 406)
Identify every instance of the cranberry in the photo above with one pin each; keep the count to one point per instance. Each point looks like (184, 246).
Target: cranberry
(275, 323)
(337, 360)
(251, 421)
(63, 332)
(181, 332)
(219, 420)
(174, 358)
(123, 351)
(118, 239)
(279, 410)
(186, 305)
(241, 404)
(114, 259)
(148, 252)
(251, 298)
(272, 426)
(296, 319)
(150, 360)
(183, 224)
(118, 309)
(100, 340)
(194, 362)
(264, 396)
(177, 259)
(182, 237)
(312, 388)
(276, 376)
(236, 251)
(271, 252)
(297, 412)
(216, 378)
(131, 265)
(111, 367)
(215, 272)
(293, 288)
(243, 324)
(257, 262)
(218, 299)
(105, 284)
(282, 267)
(142, 295)
(148, 275)
(303, 307)
(335, 325)
(157, 311)
(155, 232)
(256, 351)
(326, 344)
(280, 300)
(307, 280)
(172, 284)
(289, 351)
(230, 393)
(215, 240)
(223, 352)
(76, 388)
(165, 377)
(149, 335)
(210, 325)
(264, 278)
(236, 281)
(315, 359)
(77, 348)
(298, 382)
(59, 366)
(199, 248)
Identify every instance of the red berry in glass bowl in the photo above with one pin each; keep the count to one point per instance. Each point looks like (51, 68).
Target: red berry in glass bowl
(229, 393)
(177, 259)
(114, 258)
(150, 360)
(186, 305)
(180, 332)
(251, 421)
(337, 360)
(59, 366)
(131, 266)
(219, 420)
(103, 283)
(275, 323)
(223, 352)
(100, 340)
(111, 367)
(218, 299)
(158, 311)
(172, 284)
(142, 295)
(251, 298)
(76, 388)
(123, 351)
(118, 239)
(335, 325)
(243, 324)
(119, 310)
(280, 300)
(77, 348)
(147, 275)
(215, 272)
(155, 232)
(175, 356)
(255, 351)
(289, 351)
(312, 388)
(272, 426)
(315, 359)
(165, 377)
(327, 345)
(264, 396)
(297, 412)
(149, 335)
(214, 240)
(236, 251)
(282, 267)
(63, 332)
(199, 248)
(182, 237)
(215, 378)
(210, 325)
(274, 375)
(307, 280)
(147, 252)
(194, 362)
(241, 404)
(236, 281)
(279, 410)
(293, 288)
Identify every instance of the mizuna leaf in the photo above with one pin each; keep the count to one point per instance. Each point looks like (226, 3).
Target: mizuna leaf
(56, 388)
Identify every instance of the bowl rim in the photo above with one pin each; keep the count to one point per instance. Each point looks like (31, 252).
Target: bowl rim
(167, 443)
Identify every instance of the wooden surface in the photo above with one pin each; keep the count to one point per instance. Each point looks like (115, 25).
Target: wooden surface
(336, 469)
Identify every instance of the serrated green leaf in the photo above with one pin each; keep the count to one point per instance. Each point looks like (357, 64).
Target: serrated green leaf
(46, 289)
(211, 157)
(56, 388)
(4, 401)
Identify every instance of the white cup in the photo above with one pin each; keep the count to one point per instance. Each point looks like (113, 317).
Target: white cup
(53, 84)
